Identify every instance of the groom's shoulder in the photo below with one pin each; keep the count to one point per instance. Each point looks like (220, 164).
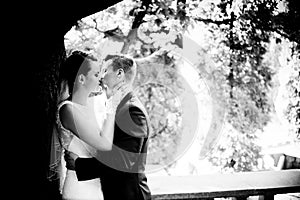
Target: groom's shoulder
(135, 104)
(132, 119)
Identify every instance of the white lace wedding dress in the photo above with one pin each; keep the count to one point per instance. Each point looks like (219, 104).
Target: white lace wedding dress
(72, 189)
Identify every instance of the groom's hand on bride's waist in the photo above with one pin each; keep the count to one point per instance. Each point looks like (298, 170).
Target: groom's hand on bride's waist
(70, 160)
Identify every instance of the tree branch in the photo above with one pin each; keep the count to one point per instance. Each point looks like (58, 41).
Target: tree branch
(116, 34)
(285, 35)
(130, 39)
(217, 22)
(138, 20)
(89, 26)
(153, 58)
(160, 131)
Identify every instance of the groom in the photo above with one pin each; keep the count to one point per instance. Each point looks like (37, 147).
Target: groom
(121, 170)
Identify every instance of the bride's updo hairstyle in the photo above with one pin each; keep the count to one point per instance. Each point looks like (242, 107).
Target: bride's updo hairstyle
(77, 63)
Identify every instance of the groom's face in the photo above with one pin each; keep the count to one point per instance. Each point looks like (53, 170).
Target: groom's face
(109, 77)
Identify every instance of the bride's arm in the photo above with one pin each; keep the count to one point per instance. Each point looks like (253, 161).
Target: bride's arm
(87, 129)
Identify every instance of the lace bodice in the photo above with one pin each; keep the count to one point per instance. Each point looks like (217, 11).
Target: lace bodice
(65, 135)
(71, 142)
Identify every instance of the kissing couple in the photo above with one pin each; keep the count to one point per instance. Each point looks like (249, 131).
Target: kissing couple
(104, 159)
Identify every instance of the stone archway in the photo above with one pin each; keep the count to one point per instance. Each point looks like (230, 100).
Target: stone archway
(41, 31)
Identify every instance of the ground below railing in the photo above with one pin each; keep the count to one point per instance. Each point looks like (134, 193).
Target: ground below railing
(239, 185)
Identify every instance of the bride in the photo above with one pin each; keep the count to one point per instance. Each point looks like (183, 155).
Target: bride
(80, 129)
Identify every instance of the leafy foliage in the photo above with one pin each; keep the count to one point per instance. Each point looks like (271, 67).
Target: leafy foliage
(237, 152)
(165, 116)
(293, 109)
(243, 30)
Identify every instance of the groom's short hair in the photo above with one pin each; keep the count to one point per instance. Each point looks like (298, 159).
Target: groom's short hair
(124, 62)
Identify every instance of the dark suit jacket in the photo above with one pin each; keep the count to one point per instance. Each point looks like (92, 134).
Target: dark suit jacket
(121, 170)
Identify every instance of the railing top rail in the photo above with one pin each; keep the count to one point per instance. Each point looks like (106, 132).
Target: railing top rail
(225, 185)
